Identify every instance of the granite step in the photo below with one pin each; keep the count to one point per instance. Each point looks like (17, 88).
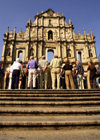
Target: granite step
(49, 103)
(49, 95)
(45, 109)
(53, 134)
(50, 121)
(49, 110)
(49, 91)
(94, 98)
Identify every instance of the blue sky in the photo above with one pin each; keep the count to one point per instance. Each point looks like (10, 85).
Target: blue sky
(83, 13)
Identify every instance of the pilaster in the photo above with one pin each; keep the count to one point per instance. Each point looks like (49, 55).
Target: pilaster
(3, 52)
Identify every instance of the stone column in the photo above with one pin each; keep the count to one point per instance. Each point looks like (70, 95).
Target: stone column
(40, 50)
(77, 55)
(86, 51)
(12, 46)
(72, 50)
(16, 54)
(94, 51)
(3, 52)
(26, 58)
(35, 47)
(46, 53)
(23, 58)
(64, 50)
(58, 50)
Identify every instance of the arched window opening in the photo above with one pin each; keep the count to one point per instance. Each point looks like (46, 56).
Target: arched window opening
(68, 53)
(50, 55)
(20, 55)
(50, 35)
(79, 56)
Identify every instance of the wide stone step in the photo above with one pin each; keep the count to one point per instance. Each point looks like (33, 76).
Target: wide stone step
(50, 103)
(50, 121)
(94, 98)
(50, 110)
(49, 95)
(53, 134)
(49, 91)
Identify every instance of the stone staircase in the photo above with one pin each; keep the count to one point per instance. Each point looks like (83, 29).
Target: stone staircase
(49, 109)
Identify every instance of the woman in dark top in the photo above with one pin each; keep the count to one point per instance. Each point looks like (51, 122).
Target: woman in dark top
(68, 75)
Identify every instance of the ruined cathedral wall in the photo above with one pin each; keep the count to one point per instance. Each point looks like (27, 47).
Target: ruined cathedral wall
(80, 49)
(49, 32)
(21, 48)
(49, 21)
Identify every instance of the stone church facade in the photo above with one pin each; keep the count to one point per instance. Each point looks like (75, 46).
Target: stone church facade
(48, 33)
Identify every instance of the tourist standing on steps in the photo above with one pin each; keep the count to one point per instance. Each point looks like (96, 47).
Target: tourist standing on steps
(6, 78)
(32, 72)
(43, 73)
(21, 77)
(16, 73)
(10, 76)
(91, 75)
(80, 75)
(55, 65)
(1, 76)
(68, 75)
(74, 76)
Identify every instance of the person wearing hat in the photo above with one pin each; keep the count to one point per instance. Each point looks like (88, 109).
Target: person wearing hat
(55, 65)
(16, 73)
(43, 73)
(32, 66)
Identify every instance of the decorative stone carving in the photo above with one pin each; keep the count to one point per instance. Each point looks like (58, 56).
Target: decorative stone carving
(48, 32)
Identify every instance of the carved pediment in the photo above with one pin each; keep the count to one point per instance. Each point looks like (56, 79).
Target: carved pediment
(50, 12)
(47, 13)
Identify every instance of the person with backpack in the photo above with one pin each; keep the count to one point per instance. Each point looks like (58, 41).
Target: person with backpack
(80, 75)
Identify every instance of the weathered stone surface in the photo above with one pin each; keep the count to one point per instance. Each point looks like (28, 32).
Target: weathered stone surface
(21, 117)
(77, 134)
(49, 32)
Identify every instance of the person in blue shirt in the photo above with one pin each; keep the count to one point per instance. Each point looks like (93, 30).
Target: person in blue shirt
(32, 72)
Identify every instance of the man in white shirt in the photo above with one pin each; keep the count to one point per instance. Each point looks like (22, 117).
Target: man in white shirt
(10, 76)
(16, 73)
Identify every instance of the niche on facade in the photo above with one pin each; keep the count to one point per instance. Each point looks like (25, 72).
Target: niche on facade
(68, 53)
(31, 52)
(8, 52)
(50, 35)
(90, 53)
(50, 24)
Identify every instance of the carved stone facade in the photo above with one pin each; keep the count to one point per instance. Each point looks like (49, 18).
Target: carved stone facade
(49, 32)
